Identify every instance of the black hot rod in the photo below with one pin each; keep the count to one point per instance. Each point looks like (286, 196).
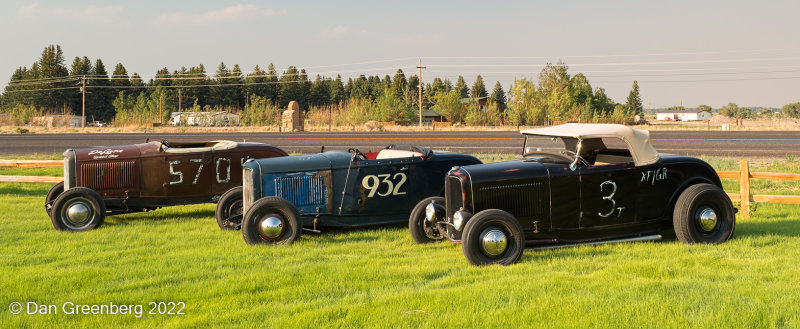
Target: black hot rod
(575, 183)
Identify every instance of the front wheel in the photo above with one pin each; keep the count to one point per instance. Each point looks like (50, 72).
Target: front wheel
(229, 209)
(423, 231)
(78, 209)
(54, 192)
(492, 236)
(272, 221)
(703, 214)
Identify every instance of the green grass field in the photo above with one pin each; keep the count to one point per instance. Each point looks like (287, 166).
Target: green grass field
(377, 277)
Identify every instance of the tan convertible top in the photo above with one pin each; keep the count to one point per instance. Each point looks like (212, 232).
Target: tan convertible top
(638, 141)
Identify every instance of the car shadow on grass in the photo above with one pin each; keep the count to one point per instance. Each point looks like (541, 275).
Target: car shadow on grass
(787, 228)
(161, 216)
(20, 190)
(353, 234)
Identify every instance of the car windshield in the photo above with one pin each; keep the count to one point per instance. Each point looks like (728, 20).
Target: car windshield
(545, 145)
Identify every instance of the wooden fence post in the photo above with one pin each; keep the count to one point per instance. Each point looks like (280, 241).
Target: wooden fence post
(744, 188)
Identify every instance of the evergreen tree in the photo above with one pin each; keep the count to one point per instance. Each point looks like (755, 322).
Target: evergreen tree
(436, 87)
(461, 87)
(499, 95)
(634, 102)
(218, 94)
(80, 67)
(51, 66)
(399, 83)
(255, 83)
(478, 88)
(120, 79)
(271, 88)
(292, 88)
(319, 93)
(136, 81)
(99, 97)
(336, 89)
(236, 93)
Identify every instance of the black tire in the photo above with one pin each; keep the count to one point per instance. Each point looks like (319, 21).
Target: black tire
(230, 205)
(421, 230)
(54, 192)
(291, 224)
(487, 221)
(692, 204)
(95, 210)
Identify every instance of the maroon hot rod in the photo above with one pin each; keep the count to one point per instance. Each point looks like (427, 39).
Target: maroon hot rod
(110, 180)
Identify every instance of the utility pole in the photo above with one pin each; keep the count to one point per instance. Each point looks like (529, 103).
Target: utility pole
(160, 108)
(180, 106)
(83, 102)
(420, 67)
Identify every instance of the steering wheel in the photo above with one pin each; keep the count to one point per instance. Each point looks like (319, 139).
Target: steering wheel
(357, 153)
(165, 143)
(572, 155)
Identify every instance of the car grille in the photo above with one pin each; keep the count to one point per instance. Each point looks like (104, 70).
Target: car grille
(69, 169)
(247, 186)
(520, 199)
(304, 190)
(453, 195)
(107, 175)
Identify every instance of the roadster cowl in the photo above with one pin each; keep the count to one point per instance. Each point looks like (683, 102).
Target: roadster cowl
(575, 183)
(109, 180)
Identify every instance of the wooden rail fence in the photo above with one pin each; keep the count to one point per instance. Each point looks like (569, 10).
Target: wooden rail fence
(745, 197)
(30, 163)
(744, 175)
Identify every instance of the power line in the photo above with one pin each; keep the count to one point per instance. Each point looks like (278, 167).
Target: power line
(623, 63)
(37, 90)
(619, 55)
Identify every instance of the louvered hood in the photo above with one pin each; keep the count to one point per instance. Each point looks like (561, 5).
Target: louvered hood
(107, 169)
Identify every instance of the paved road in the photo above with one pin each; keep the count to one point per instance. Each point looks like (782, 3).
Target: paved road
(763, 144)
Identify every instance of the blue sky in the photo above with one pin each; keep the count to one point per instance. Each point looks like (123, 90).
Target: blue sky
(695, 52)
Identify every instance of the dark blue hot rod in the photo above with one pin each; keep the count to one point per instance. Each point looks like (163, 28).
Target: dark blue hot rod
(334, 188)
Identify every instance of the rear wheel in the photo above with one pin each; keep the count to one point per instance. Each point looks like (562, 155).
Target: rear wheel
(78, 209)
(54, 192)
(273, 221)
(423, 231)
(703, 214)
(229, 209)
(491, 237)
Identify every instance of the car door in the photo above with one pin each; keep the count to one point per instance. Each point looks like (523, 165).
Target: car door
(564, 196)
(608, 194)
(383, 186)
(226, 170)
(187, 174)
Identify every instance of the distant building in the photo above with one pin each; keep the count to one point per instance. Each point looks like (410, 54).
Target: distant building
(430, 116)
(683, 115)
(57, 121)
(482, 101)
(221, 118)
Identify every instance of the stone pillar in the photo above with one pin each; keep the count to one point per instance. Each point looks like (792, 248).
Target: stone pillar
(291, 120)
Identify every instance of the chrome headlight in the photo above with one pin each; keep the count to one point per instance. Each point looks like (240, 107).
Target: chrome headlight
(434, 212)
(429, 212)
(459, 218)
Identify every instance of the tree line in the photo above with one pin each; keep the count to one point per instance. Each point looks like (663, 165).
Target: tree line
(557, 96)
